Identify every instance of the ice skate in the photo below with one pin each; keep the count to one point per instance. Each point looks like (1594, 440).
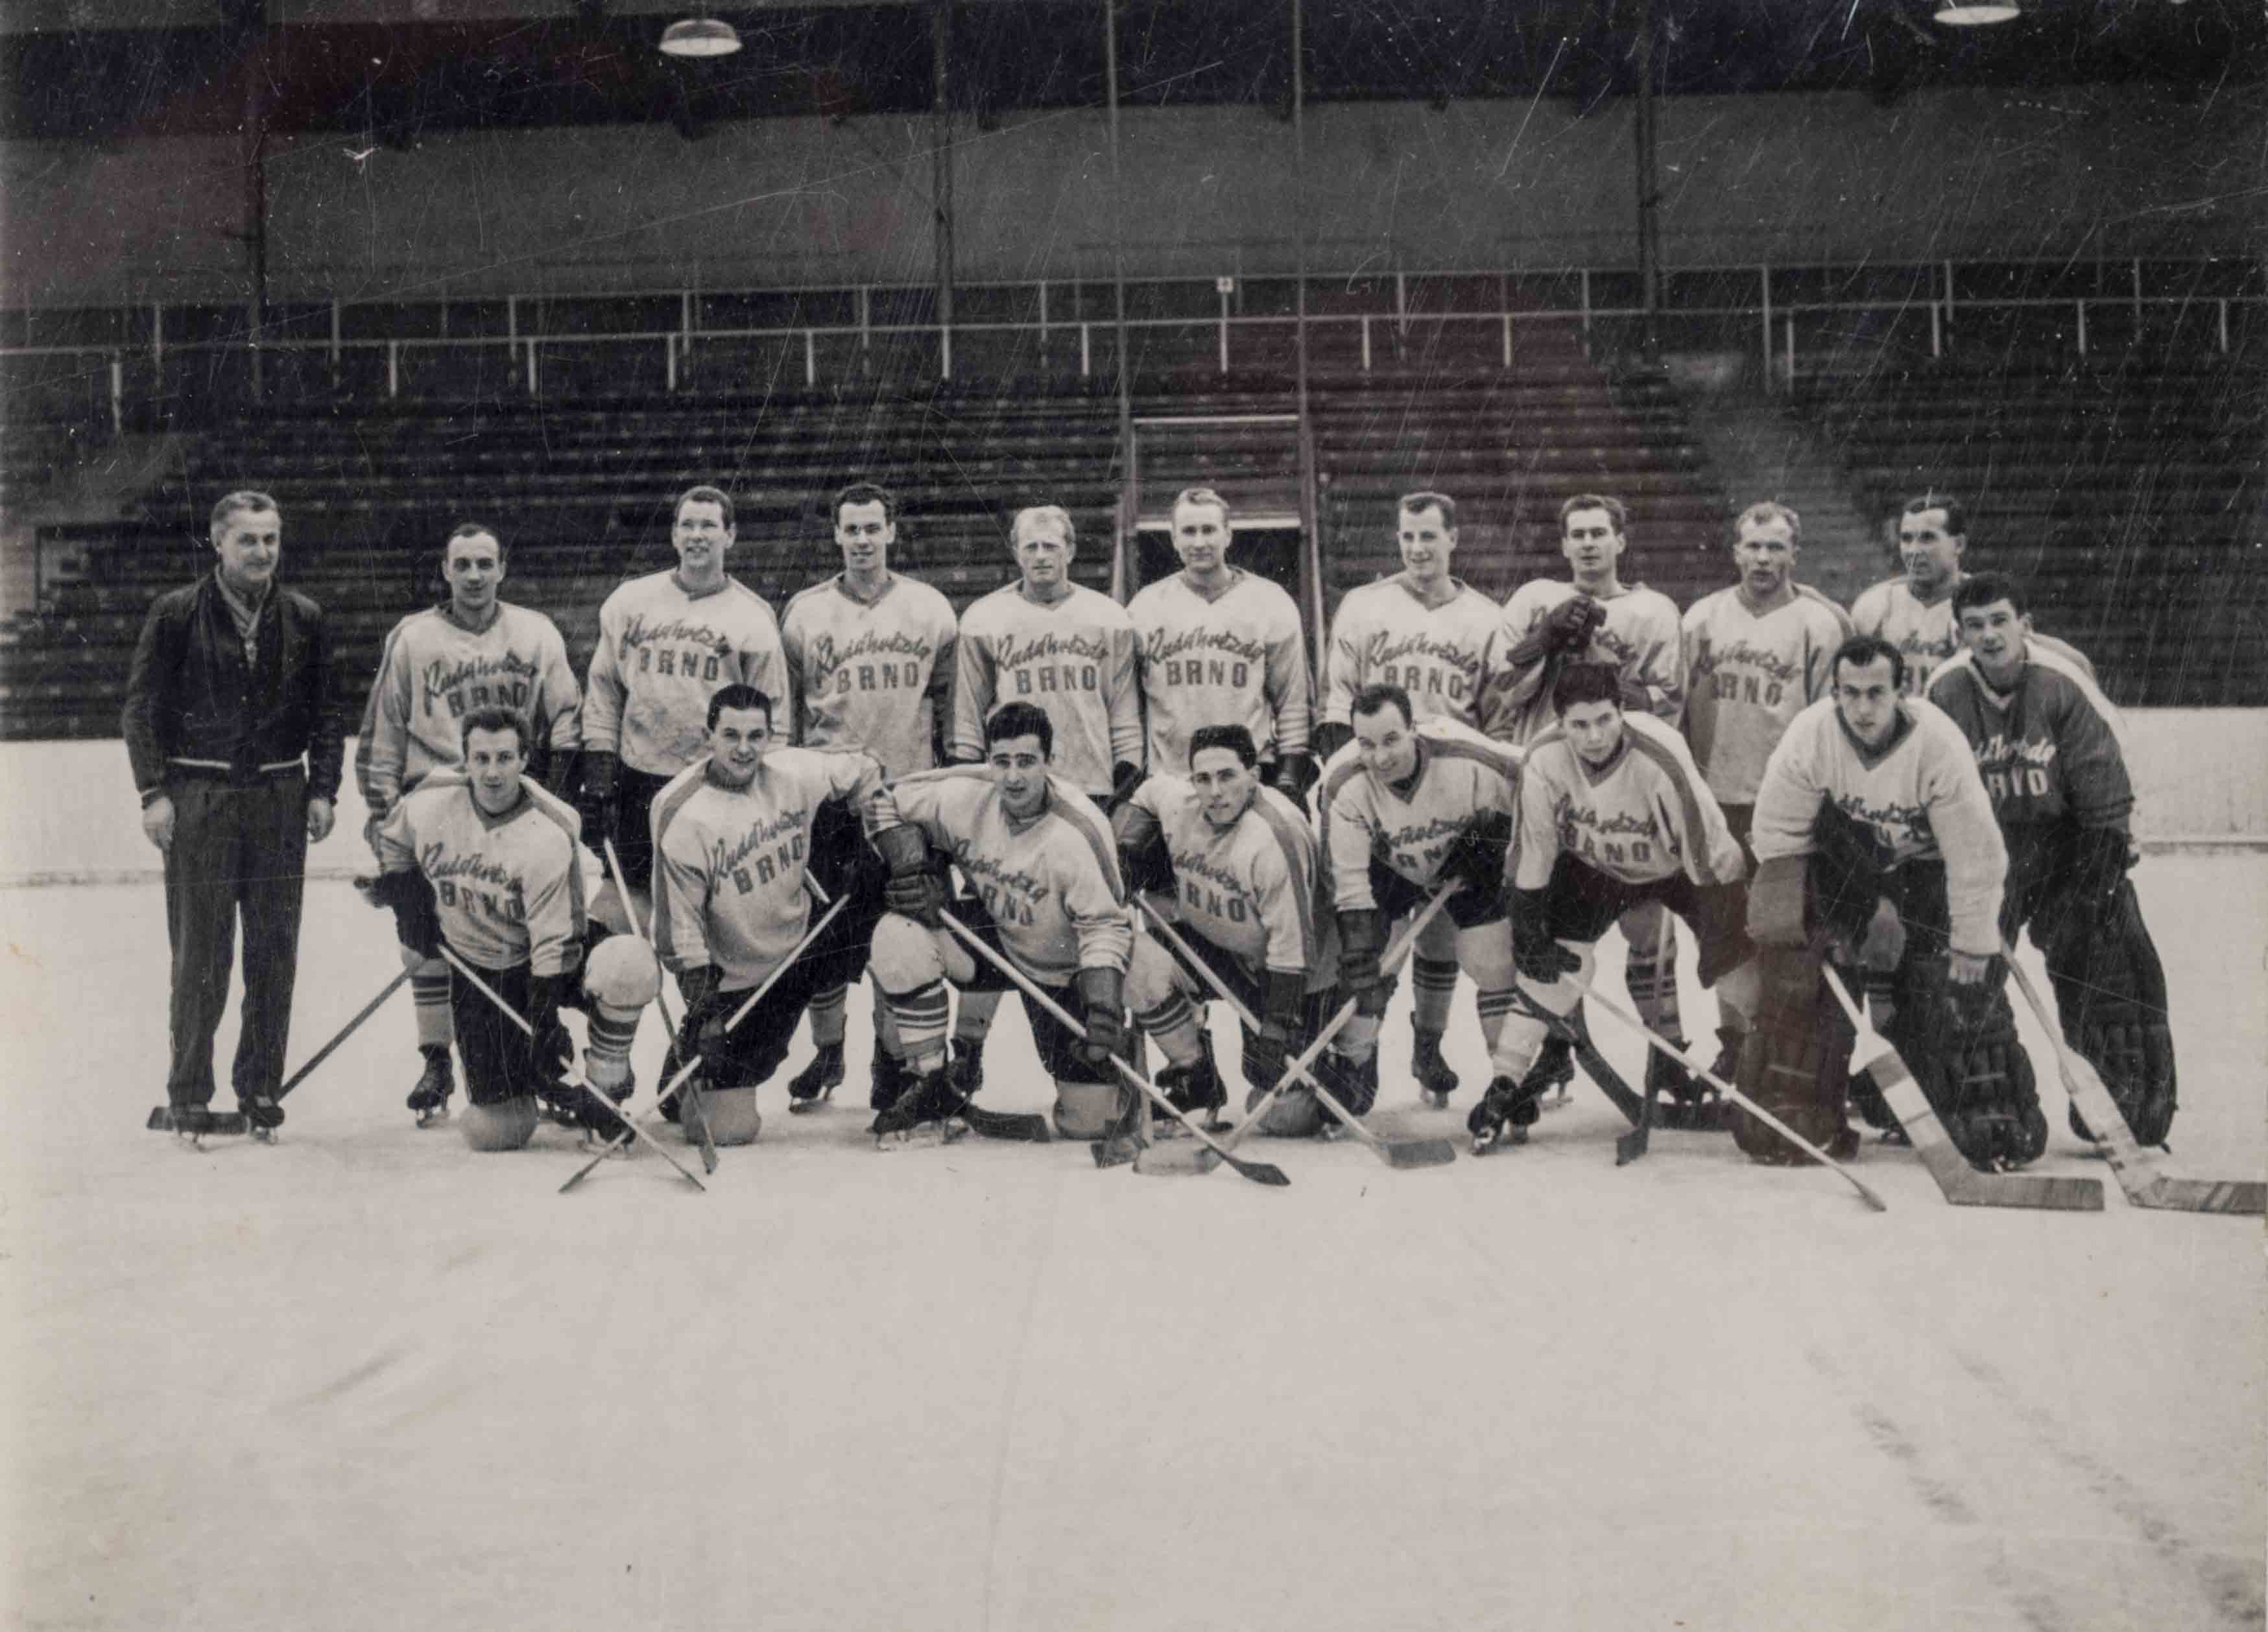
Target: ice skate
(1195, 1090)
(262, 1116)
(813, 1086)
(1507, 1111)
(927, 1112)
(1436, 1082)
(429, 1099)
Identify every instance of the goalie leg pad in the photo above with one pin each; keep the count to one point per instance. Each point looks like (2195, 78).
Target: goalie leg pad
(1794, 1062)
(1965, 1053)
(730, 1115)
(2110, 998)
(506, 1125)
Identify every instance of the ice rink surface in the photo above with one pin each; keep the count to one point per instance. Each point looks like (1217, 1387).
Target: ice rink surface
(368, 1379)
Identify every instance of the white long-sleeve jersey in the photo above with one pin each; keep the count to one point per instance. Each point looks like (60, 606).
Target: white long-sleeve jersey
(872, 674)
(1052, 882)
(510, 889)
(729, 862)
(1253, 888)
(662, 654)
(1747, 674)
(434, 670)
(1641, 641)
(1645, 815)
(1920, 794)
(1074, 657)
(1460, 775)
(1449, 658)
(1238, 658)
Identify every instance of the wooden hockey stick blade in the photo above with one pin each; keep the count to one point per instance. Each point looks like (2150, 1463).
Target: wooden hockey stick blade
(1025, 1126)
(1957, 1182)
(1685, 1058)
(230, 1122)
(2139, 1174)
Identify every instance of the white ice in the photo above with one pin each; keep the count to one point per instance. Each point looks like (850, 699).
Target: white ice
(368, 1379)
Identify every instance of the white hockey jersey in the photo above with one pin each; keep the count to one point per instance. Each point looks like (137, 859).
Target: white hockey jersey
(1645, 815)
(876, 675)
(1074, 657)
(1449, 658)
(1923, 631)
(1640, 640)
(662, 654)
(1460, 775)
(510, 889)
(1239, 658)
(1747, 674)
(1253, 888)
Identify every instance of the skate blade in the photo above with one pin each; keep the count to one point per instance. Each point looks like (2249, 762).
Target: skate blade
(805, 1107)
(1183, 1158)
(924, 1136)
(433, 1117)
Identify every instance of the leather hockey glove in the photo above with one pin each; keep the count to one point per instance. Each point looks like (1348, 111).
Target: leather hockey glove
(1266, 1050)
(552, 1049)
(596, 802)
(417, 916)
(701, 1033)
(1362, 942)
(1535, 952)
(1102, 994)
(1142, 853)
(1294, 775)
(1124, 779)
(913, 890)
(1475, 855)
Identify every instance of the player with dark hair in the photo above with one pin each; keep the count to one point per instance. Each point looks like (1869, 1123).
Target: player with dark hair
(1044, 891)
(1220, 645)
(1876, 839)
(232, 725)
(1914, 613)
(2046, 743)
(733, 842)
(1404, 807)
(870, 665)
(1239, 860)
(474, 650)
(1613, 812)
(482, 857)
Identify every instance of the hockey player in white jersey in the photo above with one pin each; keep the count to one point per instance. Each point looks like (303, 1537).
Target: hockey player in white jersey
(1612, 811)
(1756, 654)
(870, 665)
(1221, 646)
(488, 861)
(1240, 862)
(474, 650)
(733, 843)
(1403, 807)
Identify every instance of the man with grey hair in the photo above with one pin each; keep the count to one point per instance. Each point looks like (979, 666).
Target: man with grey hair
(237, 743)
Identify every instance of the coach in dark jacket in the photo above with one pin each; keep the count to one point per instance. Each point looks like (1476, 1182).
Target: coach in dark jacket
(236, 741)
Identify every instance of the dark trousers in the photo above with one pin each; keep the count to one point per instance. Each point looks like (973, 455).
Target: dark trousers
(239, 848)
(500, 1057)
(634, 792)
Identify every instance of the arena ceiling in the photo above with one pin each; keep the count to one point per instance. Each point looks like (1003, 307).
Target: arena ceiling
(392, 70)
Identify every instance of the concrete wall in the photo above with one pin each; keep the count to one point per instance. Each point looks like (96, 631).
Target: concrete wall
(70, 815)
(2110, 170)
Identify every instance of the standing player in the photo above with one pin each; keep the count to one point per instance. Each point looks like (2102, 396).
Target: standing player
(1594, 617)
(2043, 740)
(1219, 646)
(1441, 642)
(1612, 811)
(236, 737)
(481, 859)
(474, 650)
(1241, 862)
(1873, 833)
(870, 664)
(1915, 613)
(1044, 891)
(1403, 807)
(733, 836)
(1756, 654)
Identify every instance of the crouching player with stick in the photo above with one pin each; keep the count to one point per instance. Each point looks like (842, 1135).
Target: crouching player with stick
(1047, 894)
(1874, 838)
(488, 863)
(1240, 860)
(1613, 815)
(1404, 808)
(2043, 740)
(732, 841)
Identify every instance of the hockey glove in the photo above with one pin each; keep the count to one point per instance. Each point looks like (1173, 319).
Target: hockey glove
(1294, 775)
(1883, 947)
(1331, 736)
(1102, 994)
(1142, 853)
(1362, 942)
(913, 890)
(1124, 779)
(552, 1051)
(416, 917)
(701, 1033)
(597, 802)
(1266, 1049)
(1535, 952)
(1475, 855)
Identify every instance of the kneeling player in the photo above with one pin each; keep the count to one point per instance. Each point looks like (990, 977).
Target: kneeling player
(1406, 808)
(1874, 836)
(489, 863)
(731, 838)
(1047, 895)
(2044, 744)
(1241, 860)
(1613, 815)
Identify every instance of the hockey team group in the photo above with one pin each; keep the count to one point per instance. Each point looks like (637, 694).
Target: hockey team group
(1124, 813)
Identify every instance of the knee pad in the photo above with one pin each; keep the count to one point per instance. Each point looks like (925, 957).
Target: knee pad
(730, 1114)
(1089, 1110)
(904, 957)
(1296, 1115)
(1152, 976)
(506, 1125)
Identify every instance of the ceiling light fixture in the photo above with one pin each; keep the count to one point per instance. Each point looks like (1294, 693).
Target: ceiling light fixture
(699, 36)
(1971, 13)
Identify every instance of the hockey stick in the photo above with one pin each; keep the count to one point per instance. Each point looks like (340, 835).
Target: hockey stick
(687, 1071)
(520, 1020)
(1630, 1146)
(1571, 1027)
(1693, 1064)
(161, 1119)
(661, 1001)
(1960, 1184)
(1393, 1152)
(2139, 1174)
(1259, 1173)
